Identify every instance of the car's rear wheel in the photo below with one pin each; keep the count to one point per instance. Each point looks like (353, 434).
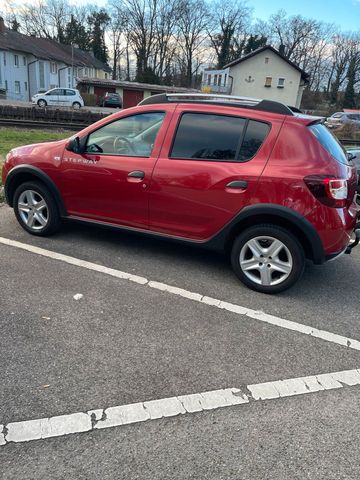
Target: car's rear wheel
(36, 209)
(267, 258)
(76, 105)
(42, 103)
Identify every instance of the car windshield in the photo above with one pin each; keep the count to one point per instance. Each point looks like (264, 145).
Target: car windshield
(329, 142)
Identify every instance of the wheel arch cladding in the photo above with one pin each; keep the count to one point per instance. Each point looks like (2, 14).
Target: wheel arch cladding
(278, 215)
(28, 173)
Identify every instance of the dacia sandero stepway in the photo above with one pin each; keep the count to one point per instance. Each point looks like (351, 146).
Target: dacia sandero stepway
(253, 178)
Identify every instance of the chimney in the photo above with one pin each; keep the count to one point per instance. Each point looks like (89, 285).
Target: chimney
(282, 49)
(2, 25)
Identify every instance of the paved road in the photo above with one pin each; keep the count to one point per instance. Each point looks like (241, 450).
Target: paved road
(124, 342)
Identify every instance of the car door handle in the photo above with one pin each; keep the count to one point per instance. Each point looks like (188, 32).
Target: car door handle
(239, 184)
(137, 174)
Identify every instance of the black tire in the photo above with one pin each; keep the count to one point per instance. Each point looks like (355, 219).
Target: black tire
(42, 103)
(50, 211)
(296, 261)
(76, 106)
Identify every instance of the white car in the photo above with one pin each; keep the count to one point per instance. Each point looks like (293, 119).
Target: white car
(64, 97)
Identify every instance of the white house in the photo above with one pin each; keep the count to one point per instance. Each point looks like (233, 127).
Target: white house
(29, 64)
(264, 73)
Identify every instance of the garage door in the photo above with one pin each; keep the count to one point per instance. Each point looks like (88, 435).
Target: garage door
(132, 97)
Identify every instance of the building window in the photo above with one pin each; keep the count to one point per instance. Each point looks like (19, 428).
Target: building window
(86, 72)
(215, 79)
(268, 81)
(209, 80)
(53, 68)
(42, 74)
(25, 85)
(281, 83)
(225, 79)
(17, 86)
(4, 58)
(24, 61)
(16, 60)
(219, 80)
(266, 59)
(6, 85)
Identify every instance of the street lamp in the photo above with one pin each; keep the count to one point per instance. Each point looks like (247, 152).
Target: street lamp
(72, 62)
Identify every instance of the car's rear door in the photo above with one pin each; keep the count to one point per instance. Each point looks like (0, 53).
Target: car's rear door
(208, 169)
(109, 182)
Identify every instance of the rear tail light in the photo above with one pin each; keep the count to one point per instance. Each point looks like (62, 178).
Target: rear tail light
(332, 192)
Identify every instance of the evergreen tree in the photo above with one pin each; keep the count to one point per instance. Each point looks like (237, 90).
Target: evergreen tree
(15, 25)
(98, 22)
(76, 34)
(349, 96)
(254, 42)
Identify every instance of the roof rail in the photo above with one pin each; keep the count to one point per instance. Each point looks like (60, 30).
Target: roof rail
(230, 100)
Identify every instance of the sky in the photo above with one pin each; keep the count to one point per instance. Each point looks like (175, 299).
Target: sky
(344, 13)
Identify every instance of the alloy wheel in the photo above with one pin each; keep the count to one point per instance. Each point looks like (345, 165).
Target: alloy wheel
(33, 210)
(266, 261)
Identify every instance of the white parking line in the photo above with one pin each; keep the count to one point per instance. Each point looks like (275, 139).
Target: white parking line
(213, 302)
(170, 407)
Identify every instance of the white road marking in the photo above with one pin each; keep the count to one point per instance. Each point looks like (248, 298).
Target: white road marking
(197, 297)
(170, 407)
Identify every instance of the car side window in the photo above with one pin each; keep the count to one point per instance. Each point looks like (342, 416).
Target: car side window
(254, 137)
(218, 137)
(132, 136)
(69, 92)
(204, 136)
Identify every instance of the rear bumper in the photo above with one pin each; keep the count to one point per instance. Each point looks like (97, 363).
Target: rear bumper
(354, 242)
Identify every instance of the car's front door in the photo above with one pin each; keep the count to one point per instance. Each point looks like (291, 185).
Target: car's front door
(208, 169)
(52, 96)
(110, 180)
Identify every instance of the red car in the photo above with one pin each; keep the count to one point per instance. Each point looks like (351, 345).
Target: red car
(249, 177)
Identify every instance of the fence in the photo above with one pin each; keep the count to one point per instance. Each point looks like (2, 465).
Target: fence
(50, 115)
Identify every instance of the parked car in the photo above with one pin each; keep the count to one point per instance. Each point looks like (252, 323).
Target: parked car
(339, 119)
(63, 97)
(111, 100)
(251, 178)
(354, 156)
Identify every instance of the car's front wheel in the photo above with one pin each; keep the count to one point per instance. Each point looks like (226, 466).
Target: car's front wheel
(42, 103)
(36, 209)
(267, 258)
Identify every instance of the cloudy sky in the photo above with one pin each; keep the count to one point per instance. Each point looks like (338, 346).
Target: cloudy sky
(344, 13)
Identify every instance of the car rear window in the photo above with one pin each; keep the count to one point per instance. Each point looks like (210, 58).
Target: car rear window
(329, 142)
(215, 137)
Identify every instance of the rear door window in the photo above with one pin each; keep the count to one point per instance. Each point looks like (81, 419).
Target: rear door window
(208, 137)
(329, 142)
(202, 136)
(254, 137)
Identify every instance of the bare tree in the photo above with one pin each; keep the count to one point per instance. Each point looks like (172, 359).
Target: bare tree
(229, 22)
(192, 35)
(45, 18)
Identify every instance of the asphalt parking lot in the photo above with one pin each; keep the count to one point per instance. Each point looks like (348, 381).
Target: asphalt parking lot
(130, 338)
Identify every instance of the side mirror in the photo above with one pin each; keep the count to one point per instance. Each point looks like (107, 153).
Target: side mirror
(350, 156)
(74, 145)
